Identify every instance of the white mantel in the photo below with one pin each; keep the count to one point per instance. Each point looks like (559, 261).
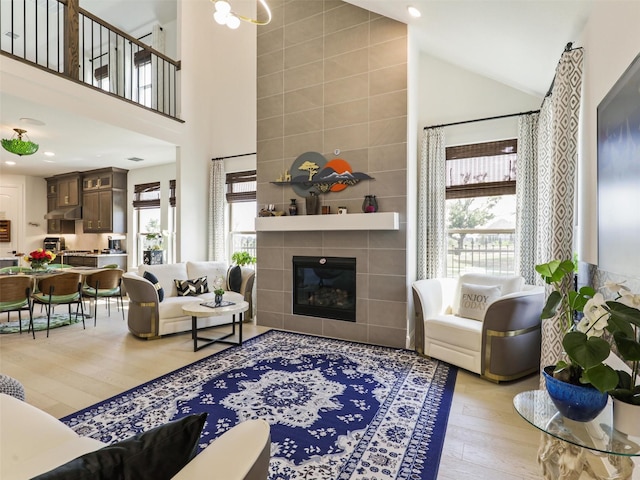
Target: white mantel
(349, 221)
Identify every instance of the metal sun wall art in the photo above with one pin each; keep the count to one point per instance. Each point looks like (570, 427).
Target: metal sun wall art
(319, 175)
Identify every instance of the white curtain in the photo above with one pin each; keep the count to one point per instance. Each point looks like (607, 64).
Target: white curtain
(557, 161)
(216, 211)
(431, 205)
(527, 197)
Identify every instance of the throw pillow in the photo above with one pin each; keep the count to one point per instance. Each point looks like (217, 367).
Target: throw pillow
(156, 284)
(474, 299)
(235, 278)
(159, 453)
(191, 287)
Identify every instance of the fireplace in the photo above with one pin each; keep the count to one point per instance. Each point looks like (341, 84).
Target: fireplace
(325, 287)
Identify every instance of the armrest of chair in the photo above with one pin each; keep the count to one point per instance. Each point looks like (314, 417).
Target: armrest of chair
(433, 295)
(246, 289)
(516, 311)
(143, 315)
(241, 453)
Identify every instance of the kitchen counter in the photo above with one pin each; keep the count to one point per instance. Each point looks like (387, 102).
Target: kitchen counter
(95, 260)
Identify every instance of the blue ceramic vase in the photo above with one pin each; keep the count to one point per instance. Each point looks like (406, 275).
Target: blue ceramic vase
(581, 403)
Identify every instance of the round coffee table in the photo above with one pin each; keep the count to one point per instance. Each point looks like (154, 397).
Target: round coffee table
(197, 310)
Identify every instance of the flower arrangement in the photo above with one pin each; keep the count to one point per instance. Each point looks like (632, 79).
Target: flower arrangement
(39, 258)
(583, 340)
(218, 284)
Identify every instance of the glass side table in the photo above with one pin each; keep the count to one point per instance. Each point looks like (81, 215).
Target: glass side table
(569, 448)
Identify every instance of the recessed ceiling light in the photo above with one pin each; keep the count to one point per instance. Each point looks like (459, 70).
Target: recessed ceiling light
(135, 159)
(50, 154)
(15, 36)
(9, 162)
(49, 161)
(414, 12)
(32, 121)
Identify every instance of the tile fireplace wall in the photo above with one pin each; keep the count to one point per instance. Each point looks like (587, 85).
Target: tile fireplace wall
(332, 76)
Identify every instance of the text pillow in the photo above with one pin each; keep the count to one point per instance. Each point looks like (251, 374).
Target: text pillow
(192, 287)
(156, 284)
(474, 299)
(159, 453)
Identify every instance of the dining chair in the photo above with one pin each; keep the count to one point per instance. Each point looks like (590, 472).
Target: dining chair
(15, 296)
(60, 289)
(105, 284)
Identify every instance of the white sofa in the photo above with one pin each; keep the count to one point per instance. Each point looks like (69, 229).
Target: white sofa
(33, 442)
(150, 318)
(502, 344)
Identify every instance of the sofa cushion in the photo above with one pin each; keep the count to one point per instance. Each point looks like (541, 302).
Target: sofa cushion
(159, 453)
(234, 277)
(460, 332)
(192, 287)
(216, 273)
(474, 299)
(508, 284)
(165, 274)
(156, 284)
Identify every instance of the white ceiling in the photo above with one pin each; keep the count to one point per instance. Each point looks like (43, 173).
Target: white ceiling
(515, 42)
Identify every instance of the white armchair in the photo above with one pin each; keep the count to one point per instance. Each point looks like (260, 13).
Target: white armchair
(501, 343)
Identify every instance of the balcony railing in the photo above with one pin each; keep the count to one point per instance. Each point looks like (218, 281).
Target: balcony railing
(60, 37)
(481, 250)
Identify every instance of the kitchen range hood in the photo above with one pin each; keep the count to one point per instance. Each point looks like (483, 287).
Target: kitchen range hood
(65, 213)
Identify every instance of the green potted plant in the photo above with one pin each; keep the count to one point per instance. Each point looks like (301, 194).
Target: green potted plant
(585, 347)
(243, 258)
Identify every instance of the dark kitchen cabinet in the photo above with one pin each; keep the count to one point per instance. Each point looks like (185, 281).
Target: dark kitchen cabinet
(68, 190)
(104, 201)
(57, 226)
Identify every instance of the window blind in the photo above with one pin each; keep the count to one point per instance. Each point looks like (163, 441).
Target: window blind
(481, 169)
(241, 186)
(146, 195)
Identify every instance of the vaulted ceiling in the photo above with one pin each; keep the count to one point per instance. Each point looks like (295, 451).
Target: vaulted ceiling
(515, 42)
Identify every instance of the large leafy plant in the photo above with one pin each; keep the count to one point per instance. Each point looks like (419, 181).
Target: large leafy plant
(585, 347)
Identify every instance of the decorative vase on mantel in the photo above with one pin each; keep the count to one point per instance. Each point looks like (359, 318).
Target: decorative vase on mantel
(370, 204)
(626, 417)
(311, 202)
(293, 208)
(581, 403)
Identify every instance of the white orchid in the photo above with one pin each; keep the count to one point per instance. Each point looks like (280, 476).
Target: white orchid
(630, 300)
(596, 317)
(616, 287)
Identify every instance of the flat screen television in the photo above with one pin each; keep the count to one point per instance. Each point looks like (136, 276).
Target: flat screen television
(619, 175)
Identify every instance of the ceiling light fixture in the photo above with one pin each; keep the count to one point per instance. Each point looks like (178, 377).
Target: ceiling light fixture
(225, 16)
(19, 146)
(414, 12)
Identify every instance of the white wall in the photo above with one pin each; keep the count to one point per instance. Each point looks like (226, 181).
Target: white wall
(219, 108)
(611, 42)
(448, 93)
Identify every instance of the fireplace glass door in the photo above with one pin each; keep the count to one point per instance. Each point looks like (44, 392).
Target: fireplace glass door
(325, 287)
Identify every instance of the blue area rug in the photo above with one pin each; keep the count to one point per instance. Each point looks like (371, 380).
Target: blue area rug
(337, 410)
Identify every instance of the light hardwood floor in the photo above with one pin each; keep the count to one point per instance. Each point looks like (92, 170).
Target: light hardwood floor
(75, 368)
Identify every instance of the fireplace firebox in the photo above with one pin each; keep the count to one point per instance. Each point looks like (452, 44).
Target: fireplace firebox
(325, 287)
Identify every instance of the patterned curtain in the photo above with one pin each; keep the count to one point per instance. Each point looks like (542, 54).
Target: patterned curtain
(527, 197)
(557, 160)
(431, 205)
(216, 210)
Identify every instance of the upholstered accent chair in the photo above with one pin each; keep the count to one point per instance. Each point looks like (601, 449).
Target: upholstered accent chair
(486, 324)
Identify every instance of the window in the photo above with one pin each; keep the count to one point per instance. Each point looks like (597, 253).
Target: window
(147, 219)
(480, 208)
(101, 74)
(241, 198)
(142, 62)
